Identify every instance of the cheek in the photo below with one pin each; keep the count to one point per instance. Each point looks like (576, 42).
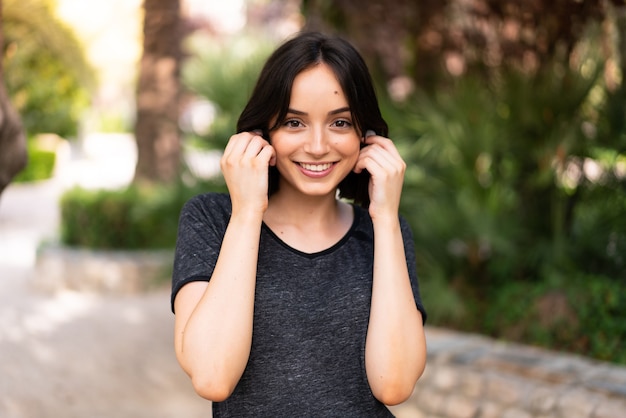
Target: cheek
(281, 146)
(350, 148)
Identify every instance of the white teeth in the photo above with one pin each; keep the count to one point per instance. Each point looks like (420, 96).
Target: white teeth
(315, 167)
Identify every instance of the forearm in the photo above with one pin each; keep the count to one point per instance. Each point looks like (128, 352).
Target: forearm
(395, 347)
(213, 344)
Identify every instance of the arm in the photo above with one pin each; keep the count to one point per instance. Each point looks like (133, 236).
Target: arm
(395, 348)
(213, 324)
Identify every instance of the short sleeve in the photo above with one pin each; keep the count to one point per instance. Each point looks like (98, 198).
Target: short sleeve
(201, 227)
(409, 251)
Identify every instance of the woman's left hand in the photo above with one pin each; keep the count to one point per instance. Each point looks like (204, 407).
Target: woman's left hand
(381, 158)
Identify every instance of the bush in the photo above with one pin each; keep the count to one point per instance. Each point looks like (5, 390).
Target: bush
(225, 76)
(40, 164)
(582, 314)
(499, 195)
(131, 218)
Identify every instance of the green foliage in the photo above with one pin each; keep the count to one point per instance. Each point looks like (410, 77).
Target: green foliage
(131, 218)
(225, 75)
(599, 230)
(45, 71)
(490, 155)
(499, 196)
(450, 309)
(40, 164)
(583, 314)
(112, 122)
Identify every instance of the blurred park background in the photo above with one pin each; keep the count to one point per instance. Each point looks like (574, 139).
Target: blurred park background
(510, 115)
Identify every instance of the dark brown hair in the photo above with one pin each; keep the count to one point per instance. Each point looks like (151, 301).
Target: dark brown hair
(270, 98)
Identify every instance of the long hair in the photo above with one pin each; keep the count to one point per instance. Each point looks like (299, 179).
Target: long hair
(270, 98)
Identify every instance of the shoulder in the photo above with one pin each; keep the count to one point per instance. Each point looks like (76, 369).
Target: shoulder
(210, 199)
(206, 210)
(363, 220)
(208, 203)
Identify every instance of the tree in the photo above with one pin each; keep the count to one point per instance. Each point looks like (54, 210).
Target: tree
(13, 155)
(158, 92)
(424, 39)
(380, 32)
(46, 73)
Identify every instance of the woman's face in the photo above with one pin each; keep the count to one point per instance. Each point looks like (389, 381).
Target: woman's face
(317, 145)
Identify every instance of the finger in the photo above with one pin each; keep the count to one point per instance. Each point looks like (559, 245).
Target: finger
(368, 133)
(383, 157)
(372, 165)
(361, 162)
(359, 166)
(254, 147)
(388, 157)
(268, 154)
(385, 143)
(365, 159)
(246, 144)
(237, 144)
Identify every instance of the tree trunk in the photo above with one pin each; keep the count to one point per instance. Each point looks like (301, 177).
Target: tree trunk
(428, 39)
(13, 154)
(156, 129)
(378, 31)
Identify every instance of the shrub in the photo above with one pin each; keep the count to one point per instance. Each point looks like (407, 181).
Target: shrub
(40, 164)
(131, 218)
(499, 197)
(582, 314)
(224, 74)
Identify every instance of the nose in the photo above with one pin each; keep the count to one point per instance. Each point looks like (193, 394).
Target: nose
(317, 143)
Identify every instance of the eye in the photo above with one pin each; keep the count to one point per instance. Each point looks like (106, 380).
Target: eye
(292, 123)
(342, 123)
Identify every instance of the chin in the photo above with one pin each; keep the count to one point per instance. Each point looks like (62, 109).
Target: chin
(317, 192)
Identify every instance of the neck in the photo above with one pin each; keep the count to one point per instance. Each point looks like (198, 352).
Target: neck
(308, 223)
(303, 210)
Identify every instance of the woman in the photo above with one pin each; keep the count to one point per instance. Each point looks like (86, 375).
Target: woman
(296, 293)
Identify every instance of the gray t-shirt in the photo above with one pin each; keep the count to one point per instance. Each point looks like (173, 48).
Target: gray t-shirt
(310, 318)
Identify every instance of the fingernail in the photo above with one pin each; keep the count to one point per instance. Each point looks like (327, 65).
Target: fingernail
(369, 133)
(258, 132)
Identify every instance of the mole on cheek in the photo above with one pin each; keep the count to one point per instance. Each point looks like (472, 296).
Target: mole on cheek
(336, 92)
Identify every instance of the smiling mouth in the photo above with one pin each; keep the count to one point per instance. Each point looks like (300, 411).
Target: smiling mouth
(316, 167)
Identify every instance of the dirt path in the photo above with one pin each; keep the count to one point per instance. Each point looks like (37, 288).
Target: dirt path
(71, 354)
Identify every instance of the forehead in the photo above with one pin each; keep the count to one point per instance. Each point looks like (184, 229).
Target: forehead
(317, 86)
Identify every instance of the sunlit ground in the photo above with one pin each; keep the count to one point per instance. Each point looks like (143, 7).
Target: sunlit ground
(77, 354)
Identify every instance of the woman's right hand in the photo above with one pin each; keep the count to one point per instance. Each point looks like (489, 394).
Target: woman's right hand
(214, 320)
(244, 165)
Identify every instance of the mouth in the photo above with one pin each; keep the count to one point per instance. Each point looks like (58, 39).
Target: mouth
(317, 168)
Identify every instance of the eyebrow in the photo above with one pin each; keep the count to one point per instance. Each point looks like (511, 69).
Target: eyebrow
(332, 112)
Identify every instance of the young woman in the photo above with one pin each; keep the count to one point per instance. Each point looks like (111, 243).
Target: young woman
(296, 294)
